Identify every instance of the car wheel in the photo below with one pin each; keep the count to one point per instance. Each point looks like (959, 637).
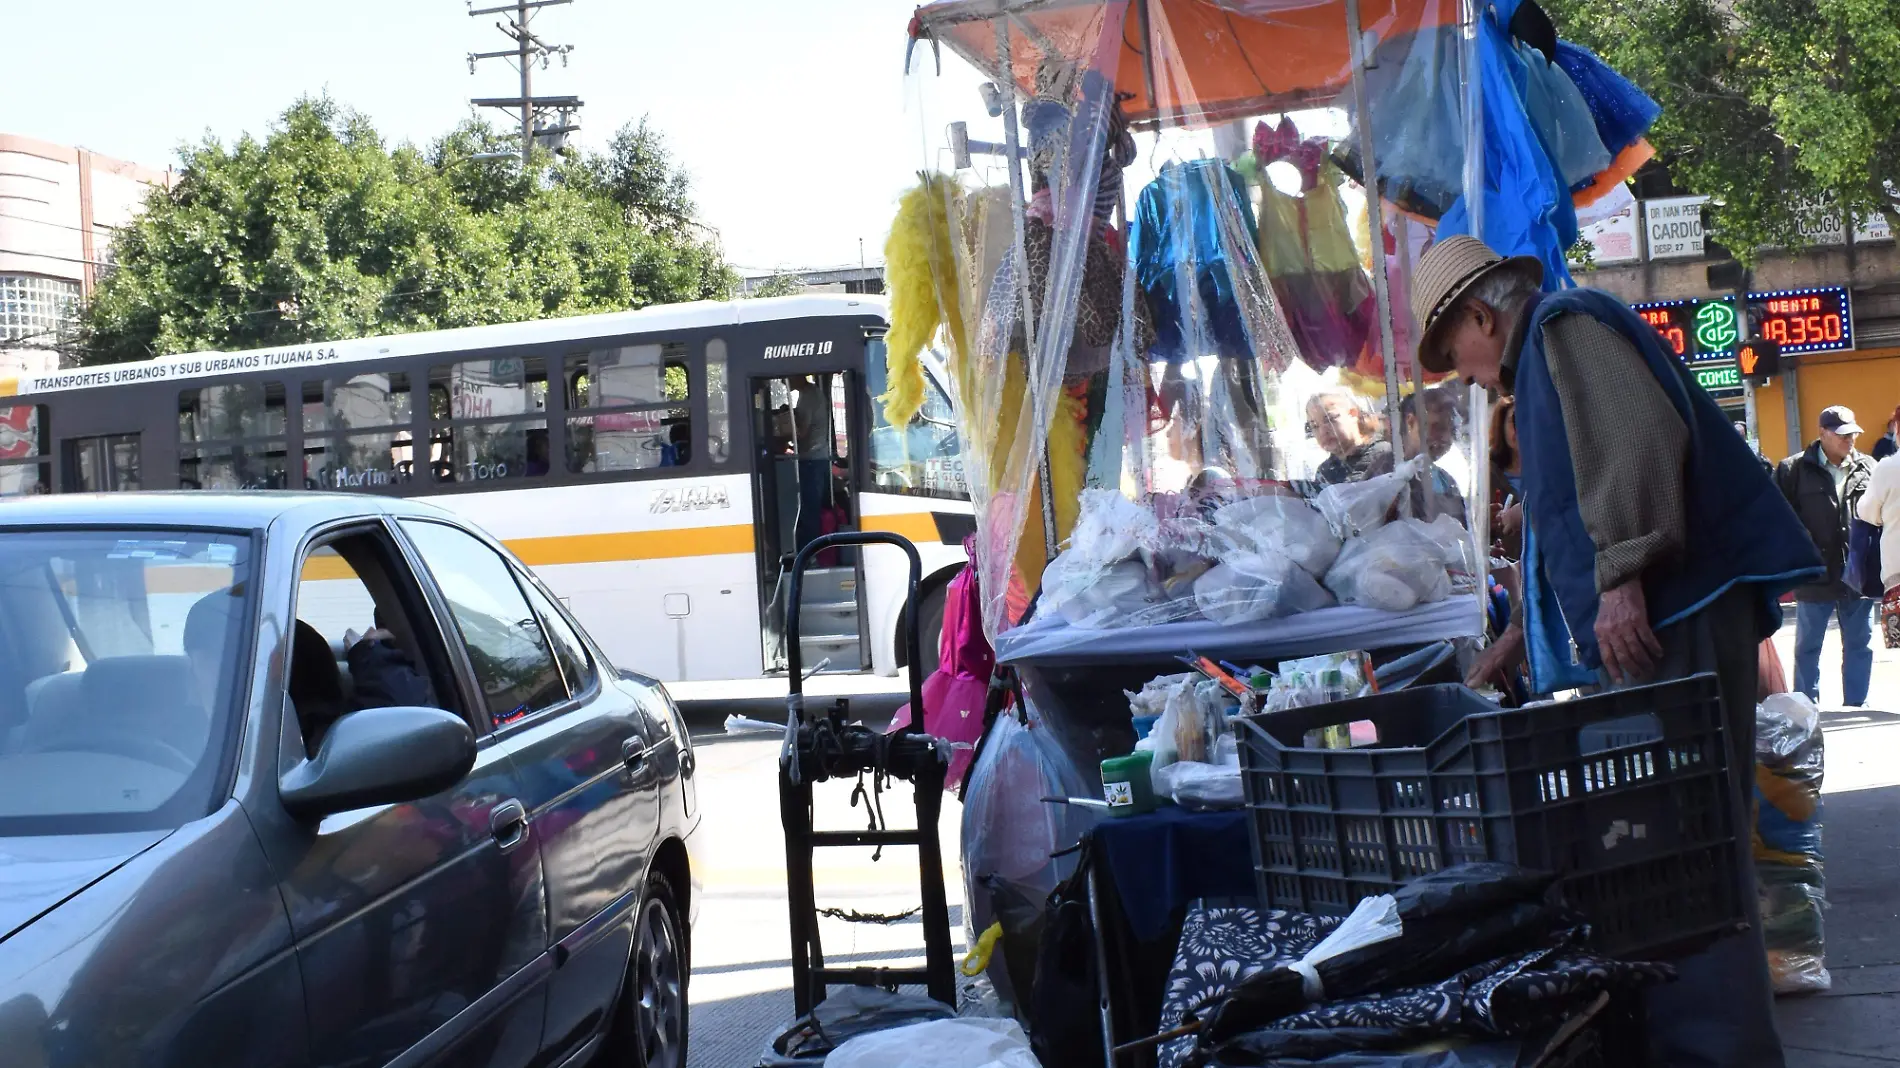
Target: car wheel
(650, 1023)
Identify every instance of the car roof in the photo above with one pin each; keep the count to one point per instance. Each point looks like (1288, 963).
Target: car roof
(248, 510)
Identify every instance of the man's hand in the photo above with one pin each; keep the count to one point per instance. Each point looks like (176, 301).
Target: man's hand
(1629, 648)
(1500, 659)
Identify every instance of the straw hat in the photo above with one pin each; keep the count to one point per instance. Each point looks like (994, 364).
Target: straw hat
(1446, 271)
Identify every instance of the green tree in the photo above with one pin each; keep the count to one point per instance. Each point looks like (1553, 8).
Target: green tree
(319, 231)
(1767, 104)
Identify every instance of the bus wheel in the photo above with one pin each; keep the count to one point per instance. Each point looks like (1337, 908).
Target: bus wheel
(929, 630)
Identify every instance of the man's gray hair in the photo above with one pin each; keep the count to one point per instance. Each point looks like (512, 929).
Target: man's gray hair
(1504, 292)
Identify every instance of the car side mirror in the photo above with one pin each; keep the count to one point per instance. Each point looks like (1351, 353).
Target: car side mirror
(380, 756)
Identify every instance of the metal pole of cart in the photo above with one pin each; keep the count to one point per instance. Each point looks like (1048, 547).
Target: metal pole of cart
(1012, 141)
(1375, 211)
(1478, 508)
(1101, 971)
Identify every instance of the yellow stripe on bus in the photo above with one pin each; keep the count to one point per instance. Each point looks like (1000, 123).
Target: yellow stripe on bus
(640, 545)
(917, 526)
(632, 545)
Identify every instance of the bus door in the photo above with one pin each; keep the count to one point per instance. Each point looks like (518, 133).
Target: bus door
(802, 489)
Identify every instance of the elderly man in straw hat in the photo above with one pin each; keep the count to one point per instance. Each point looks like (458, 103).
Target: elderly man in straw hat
(1656, 548)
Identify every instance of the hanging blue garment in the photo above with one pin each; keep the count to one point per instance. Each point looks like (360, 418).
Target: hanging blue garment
(1562, 120)
(1527, 206)
(1178, 235)
(1622, 112)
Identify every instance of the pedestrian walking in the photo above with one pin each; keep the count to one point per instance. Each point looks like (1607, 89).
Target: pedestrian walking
(1880, 505)
(1824, 483)
(1655, 548)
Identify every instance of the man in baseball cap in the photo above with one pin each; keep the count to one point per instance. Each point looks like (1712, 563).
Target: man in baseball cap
(1655, 548)
(1824, 483)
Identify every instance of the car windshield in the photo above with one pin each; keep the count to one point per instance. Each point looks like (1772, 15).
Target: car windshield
(120, 652)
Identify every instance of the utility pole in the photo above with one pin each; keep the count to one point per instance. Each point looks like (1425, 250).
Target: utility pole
(528, 48)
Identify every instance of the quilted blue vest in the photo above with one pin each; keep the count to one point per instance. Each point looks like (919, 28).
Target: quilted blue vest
(1740, 528)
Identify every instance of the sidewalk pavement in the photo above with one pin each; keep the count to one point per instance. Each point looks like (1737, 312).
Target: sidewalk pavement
(1857, 1023)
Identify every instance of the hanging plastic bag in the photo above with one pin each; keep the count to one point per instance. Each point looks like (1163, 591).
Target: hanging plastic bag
(1009, 833)
(1286, 525)
(963, 1043)
(1252, 586)
(1790, 756)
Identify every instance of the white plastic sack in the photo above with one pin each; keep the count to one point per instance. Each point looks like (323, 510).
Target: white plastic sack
(1110, 527)
(1254, 586)
(1278, 524)
(968, 1042)
(1394, 568)
(1087, 596)
(1358, 507)
(1784, 722)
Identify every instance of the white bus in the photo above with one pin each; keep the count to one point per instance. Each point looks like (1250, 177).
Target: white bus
(655, 467)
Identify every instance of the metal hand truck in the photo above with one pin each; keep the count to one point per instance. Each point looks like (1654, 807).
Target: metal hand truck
(827, 747)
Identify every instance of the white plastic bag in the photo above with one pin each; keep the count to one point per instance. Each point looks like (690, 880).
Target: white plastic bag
(1253, 586)
(1393, 568)
(1197, 786)
(1358, 507)
(1089, 596)
(1279, 524)
(968, 1042)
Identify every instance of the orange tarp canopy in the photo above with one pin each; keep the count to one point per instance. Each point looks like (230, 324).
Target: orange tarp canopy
(1186, 62)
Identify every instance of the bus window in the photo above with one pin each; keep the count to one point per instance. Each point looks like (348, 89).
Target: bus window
(718, 413)
(635, 404)
(108, 464)
(232, 437)
(23, 451)
(921, 458)
(489, 419)
(356, 432)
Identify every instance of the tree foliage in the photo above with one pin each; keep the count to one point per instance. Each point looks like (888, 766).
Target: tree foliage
(318, 231)
(1767, 104)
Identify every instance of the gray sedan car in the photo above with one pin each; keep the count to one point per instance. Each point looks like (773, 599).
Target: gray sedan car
(299, 779)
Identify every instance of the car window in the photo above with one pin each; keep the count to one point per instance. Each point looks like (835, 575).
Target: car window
(505, 644)
(121, 660)
(353, 645)
(568, 647)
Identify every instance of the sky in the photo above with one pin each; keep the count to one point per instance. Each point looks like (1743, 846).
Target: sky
(793, 117)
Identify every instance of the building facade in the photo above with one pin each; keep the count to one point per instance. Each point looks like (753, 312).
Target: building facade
(59, 209)
(1654, 256)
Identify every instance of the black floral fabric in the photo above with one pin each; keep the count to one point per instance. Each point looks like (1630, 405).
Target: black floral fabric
(1223, 944)
(1504, 998)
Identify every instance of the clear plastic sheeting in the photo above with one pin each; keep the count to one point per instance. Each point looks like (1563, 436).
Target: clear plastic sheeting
(1158, 275)
(1790, 755)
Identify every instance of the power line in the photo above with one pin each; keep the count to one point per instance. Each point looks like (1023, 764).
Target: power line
(530, 109)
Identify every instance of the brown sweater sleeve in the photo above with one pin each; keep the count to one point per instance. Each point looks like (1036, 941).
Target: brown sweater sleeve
(1628, 446)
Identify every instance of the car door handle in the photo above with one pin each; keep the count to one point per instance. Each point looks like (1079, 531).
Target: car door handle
(509, 824)
(633, 753)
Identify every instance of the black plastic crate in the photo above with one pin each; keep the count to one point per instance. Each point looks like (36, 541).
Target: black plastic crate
(1623, 794)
